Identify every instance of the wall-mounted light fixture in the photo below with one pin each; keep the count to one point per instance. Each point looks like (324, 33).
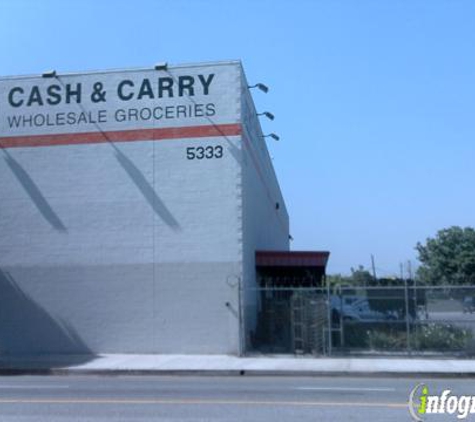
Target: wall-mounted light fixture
(161, 66)
(260, 86)
(49, 74)
(272, 135)
(269, 115)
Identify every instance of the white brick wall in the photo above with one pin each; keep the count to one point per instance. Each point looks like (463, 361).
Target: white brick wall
(264, 226)
(131, 247)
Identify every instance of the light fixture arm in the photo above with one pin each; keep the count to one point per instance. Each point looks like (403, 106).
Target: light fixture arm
(262, 87)
(269, 115)
(49, 74)
(272, 135)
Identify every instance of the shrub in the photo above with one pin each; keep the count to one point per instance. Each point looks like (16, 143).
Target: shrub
(436, 337)
(387, 339)
(441, 337)
(374, 335)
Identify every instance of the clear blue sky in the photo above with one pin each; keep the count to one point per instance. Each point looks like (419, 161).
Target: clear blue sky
(374, 100)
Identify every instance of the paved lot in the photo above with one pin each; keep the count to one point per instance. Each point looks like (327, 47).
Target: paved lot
(180, 398)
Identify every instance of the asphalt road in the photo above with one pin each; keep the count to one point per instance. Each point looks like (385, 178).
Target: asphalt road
(183, 398)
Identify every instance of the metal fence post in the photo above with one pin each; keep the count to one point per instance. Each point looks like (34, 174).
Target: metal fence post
(329, 317)
(408, 327)
(242, 336)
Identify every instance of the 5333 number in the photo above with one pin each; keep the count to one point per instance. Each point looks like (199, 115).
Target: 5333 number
(200, 153)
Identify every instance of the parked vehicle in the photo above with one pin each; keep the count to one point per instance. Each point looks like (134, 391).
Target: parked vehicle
(356, 308)
(469, 305)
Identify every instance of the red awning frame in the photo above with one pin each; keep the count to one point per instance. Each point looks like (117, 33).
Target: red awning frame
(292, 258)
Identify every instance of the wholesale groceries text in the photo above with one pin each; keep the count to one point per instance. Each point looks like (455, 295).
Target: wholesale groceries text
(26, 103)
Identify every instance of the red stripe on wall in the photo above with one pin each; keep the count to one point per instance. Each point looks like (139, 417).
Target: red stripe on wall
(97, 137)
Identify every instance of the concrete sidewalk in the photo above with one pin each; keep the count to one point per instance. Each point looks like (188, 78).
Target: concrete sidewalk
(227, 365)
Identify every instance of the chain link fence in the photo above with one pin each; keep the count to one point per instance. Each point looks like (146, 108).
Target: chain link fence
(408, 319)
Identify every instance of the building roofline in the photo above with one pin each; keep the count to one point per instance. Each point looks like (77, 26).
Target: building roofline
(128, 69)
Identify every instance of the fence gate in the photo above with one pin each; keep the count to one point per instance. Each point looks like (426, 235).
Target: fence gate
(291, 321)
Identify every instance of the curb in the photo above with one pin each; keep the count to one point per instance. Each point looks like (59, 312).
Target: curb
(225, 372)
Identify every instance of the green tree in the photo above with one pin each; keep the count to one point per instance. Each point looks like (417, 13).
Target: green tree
(337, 280)
(449, 258)
(361, 276)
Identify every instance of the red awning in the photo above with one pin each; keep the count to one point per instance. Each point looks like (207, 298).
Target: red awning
(292, 259)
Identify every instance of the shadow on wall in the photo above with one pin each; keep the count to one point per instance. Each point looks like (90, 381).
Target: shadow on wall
(146, 189)
(34, 193)
(27, 330)
(137, 177)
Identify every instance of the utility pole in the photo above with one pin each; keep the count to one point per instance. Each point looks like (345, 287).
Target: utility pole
(409, 269)
(374, 268)
(414, 285)
(408, 323)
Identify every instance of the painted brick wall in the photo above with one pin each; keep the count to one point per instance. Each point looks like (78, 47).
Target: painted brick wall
(123, 247)
(265, 224)
(130, 247)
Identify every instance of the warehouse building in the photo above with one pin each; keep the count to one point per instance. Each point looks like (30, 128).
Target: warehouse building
(133, 206)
